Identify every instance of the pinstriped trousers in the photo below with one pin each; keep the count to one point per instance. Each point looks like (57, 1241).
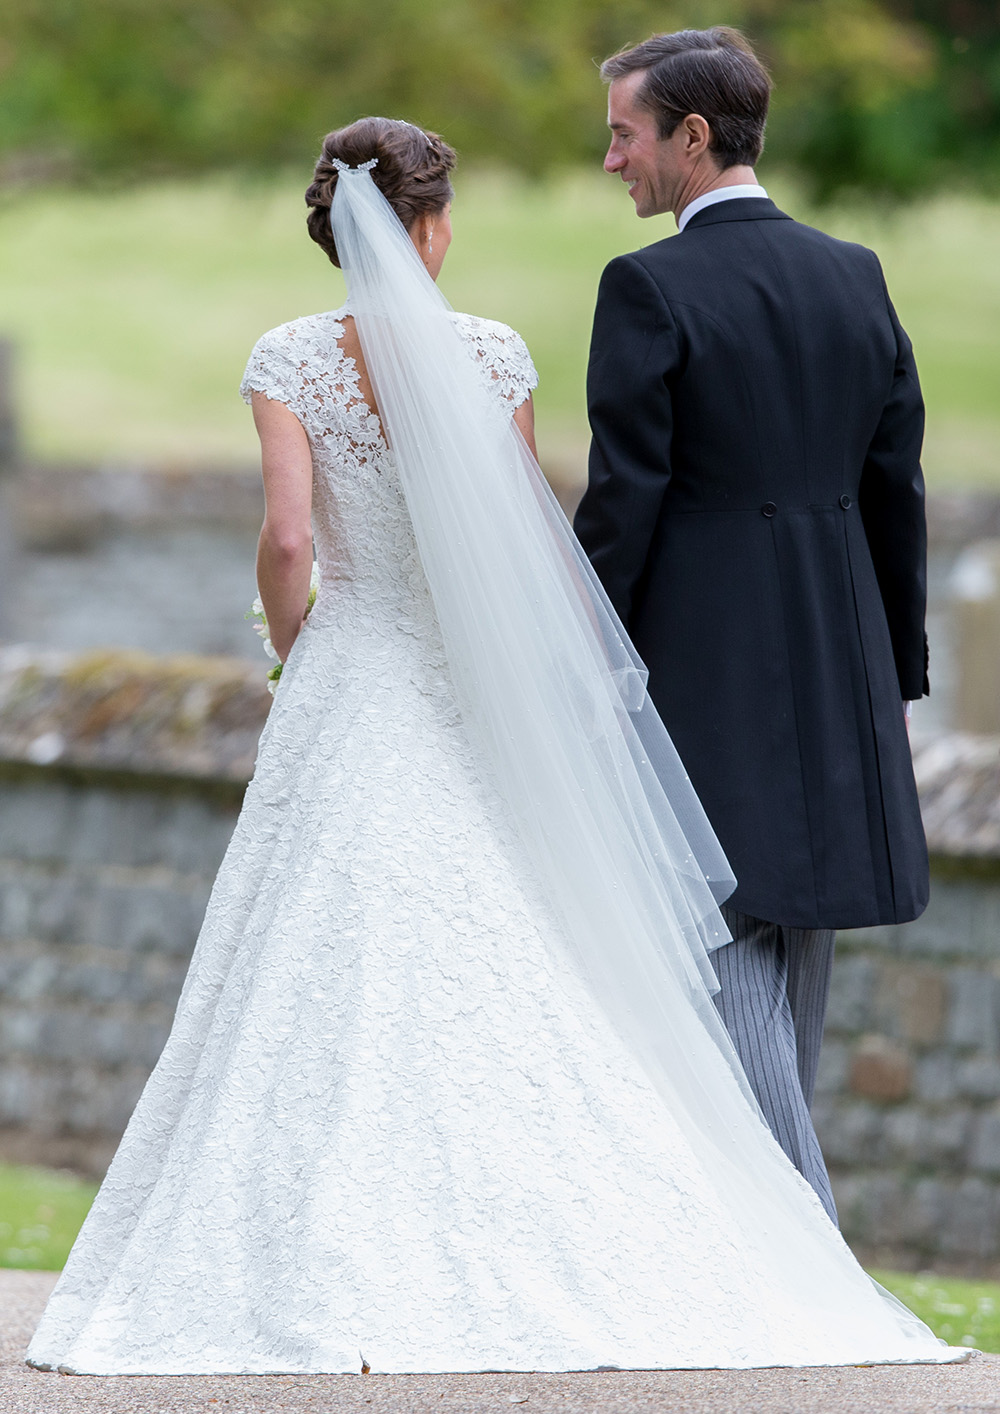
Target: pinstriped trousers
(774, 986)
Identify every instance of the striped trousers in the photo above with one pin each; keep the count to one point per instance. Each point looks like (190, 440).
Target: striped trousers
(774, 985)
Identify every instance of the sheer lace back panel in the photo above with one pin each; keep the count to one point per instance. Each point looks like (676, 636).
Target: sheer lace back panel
(364, 540)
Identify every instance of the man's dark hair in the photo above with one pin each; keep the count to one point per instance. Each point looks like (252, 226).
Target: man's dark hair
(713, 72)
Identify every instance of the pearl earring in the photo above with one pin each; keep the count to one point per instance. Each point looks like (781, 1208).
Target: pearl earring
(430, 243)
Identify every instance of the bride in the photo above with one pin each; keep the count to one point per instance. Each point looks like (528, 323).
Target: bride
(446, 1089)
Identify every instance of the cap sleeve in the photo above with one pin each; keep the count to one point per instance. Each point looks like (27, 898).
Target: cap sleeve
(503, 356)
(272, 370)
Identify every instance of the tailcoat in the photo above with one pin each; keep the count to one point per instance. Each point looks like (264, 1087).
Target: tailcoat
(755, 510)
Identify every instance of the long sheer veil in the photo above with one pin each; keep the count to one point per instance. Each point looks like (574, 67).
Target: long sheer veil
(555, 695)
(546, 678)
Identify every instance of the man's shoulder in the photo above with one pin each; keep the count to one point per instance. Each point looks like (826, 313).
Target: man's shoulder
(695, 240)
(806, 235)
(670, 262)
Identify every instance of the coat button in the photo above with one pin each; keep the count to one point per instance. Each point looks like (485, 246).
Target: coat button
(768, 509)
(845, 501)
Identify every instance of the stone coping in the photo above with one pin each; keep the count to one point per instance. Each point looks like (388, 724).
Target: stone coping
(194, 717)
(118, 711)
(958, 778)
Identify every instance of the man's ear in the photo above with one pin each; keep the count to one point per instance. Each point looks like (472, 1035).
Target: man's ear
(697, 135)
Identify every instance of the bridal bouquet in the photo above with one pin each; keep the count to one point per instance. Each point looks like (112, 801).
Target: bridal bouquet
(256, 611)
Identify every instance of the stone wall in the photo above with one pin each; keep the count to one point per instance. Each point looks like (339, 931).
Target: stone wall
(908, 1096)
(161, 559)
(120, 781)
(103, 884)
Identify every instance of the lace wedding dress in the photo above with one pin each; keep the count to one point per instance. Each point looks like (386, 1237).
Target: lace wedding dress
(391, 1126)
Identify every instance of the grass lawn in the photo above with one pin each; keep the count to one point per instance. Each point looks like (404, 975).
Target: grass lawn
(134, 311)
(41, 1212)
(961, 1312)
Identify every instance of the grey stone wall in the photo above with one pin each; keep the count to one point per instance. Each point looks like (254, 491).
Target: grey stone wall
(908, 1102)
(121, 778)
(908, 1095)
(103, 884)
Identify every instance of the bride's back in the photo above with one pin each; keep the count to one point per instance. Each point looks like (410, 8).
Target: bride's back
(351, 351)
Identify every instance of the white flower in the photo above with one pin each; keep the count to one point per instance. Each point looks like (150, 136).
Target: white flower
(256, 611)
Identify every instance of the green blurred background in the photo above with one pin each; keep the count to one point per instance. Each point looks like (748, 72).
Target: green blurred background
(152, 163)
(886, 95)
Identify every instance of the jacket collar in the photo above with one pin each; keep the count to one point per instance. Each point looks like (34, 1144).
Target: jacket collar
(747, 208)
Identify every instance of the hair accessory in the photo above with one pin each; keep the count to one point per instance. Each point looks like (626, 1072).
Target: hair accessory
(407, 124)
(361, 167)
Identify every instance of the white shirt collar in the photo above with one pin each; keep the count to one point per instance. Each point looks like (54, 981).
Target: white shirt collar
(719, 194)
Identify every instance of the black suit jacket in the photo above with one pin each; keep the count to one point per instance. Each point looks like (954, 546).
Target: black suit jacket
(755, 511)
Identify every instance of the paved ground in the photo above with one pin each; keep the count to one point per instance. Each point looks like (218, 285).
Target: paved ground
(949, 1389)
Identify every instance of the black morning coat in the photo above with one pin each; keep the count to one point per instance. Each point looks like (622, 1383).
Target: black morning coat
(755, 511)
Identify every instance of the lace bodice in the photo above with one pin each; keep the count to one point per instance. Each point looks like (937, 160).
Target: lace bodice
(302, 364)
(364, 540)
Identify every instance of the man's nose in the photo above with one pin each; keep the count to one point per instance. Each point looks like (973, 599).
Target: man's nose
(614, 161)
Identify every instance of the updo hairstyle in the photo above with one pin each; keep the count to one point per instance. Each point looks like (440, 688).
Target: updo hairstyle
(412, 172)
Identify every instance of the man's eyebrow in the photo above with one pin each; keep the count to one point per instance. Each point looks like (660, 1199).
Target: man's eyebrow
(616, 126)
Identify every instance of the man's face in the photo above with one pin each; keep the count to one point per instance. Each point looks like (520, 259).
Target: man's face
(650, 165)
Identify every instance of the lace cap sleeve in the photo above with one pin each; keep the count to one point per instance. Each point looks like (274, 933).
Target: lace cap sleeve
(503, 356)
(272, 370)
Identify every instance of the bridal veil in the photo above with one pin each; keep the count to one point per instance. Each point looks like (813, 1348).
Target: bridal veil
(555, 697)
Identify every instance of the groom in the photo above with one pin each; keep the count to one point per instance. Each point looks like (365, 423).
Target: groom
(755, 511)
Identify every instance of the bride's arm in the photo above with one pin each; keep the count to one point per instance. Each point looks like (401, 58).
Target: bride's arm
(524, 419)
(284, 551)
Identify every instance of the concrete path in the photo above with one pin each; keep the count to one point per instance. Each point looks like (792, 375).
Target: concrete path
(909, 1389)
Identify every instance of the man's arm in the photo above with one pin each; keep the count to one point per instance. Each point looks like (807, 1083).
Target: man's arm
(633, 351)
(891, 501)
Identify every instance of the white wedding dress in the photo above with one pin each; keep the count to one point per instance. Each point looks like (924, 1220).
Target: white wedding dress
(391, 1125)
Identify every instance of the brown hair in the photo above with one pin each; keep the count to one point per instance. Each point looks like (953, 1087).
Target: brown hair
(412, 172)
(713, 72)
